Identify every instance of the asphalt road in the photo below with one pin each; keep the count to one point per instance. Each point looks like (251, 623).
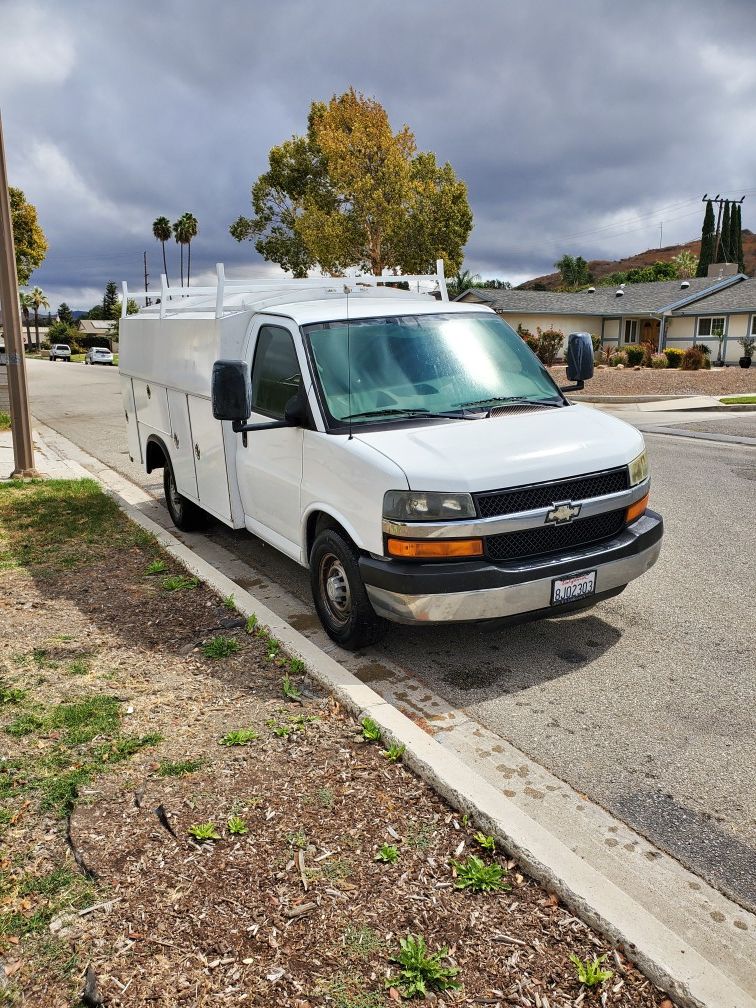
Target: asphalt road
(646, 704)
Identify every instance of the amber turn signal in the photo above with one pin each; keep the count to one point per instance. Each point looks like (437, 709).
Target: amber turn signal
(637, 509)
(434, 548)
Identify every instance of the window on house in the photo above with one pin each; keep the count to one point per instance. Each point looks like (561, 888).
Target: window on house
(753, 325)
(631, 330)
(713, 326)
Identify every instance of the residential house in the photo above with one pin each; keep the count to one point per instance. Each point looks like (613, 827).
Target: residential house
(667, 313)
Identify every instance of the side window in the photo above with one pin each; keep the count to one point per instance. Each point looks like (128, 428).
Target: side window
(275, 372)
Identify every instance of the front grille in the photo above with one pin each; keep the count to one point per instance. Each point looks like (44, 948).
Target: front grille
(554, 538)
(538, 495)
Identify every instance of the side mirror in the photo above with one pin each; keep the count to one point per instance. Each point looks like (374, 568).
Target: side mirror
(231, 390)
(579, 360)
(295, 411)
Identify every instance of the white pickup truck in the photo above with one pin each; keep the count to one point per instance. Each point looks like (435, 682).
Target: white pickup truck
(412, 453)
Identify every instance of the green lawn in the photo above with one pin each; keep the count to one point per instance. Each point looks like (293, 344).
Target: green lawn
(737, 400)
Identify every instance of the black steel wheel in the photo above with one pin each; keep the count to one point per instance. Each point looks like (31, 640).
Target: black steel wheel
(339, 593)
(185, 514)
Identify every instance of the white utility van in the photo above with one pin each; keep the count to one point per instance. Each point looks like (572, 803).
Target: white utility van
(411, 452)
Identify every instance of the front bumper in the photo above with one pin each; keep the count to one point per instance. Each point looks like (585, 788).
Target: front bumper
(407, 592)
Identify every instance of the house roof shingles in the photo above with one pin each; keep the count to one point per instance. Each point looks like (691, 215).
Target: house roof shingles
(637, 299)
(739, 298)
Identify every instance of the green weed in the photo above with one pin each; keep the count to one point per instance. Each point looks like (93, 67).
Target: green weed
(476, 876)
(387, 853)
(371, 732)
(5, 421)
(242, 736)
(203, 832)
(11, 695)
(229, 602)
(589, 971)
(237, 826)
(251, 624)
(324, 797)
(220, 647)
(419, 835)
(289, 690)
(394, 753)
(78, 667)
(422, 971)
(298, 840)
(168, 769)
(488, 843)
(156, 567)
(362, 941)
(177, 582)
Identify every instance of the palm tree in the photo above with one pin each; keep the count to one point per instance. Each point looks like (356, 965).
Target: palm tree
(161, 229)
(181, 234)
(192, 227)
(461, 281)
(25, 300)
(38, 300)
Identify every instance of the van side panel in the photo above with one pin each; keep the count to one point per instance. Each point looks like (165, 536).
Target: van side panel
(132, 425)
(209, 459)
(181, 445)
(151, 401)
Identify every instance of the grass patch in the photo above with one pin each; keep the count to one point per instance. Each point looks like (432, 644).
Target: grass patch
(739, 400)
(156, 567)
(177, 582)
(220, 647)
(362, 942)
(5, 421)
(9, 695)
(168, 769)
(242, 736)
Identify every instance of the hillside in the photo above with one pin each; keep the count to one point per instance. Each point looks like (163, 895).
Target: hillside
(601, 267)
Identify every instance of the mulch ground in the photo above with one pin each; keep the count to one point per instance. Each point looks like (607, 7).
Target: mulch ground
(667, 381)
(296, 912)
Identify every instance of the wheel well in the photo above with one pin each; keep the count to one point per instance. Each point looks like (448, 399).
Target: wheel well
(317, 522)
(156, 455)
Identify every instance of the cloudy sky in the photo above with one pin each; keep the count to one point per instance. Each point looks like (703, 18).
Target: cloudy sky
(578, 125)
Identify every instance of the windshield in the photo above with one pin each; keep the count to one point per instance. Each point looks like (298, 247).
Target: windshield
(426, 363)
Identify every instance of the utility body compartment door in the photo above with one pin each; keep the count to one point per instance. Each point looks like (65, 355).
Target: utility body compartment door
(209, 459)
(182, 446)
(132, 425)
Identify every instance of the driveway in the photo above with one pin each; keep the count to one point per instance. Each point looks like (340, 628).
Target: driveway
(644, 704)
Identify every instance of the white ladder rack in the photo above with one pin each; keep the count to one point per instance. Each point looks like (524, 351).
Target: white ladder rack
(264, 293)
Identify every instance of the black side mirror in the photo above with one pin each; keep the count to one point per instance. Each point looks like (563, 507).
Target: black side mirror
(579, 360)
(231, 390)
(296, 412)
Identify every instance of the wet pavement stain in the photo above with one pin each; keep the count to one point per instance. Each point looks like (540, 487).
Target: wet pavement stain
(532, 792)
(247, 583)
(372, 672)
(303, 621)
(481, 679)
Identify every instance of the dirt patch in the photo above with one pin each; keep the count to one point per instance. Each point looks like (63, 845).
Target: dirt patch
(665, 382)
(111, 888)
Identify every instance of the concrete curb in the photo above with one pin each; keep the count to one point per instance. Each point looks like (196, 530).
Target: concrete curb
(663, 956)
(644, 400)
(696, 435)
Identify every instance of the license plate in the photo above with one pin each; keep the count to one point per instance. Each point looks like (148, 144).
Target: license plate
(573, 588)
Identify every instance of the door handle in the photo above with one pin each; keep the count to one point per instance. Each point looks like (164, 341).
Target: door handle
(197, 451)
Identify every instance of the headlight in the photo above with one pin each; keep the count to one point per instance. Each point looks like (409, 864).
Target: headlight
(410, 505)
(638, 469)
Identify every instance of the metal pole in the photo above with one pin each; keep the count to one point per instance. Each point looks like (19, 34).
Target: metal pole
(23, 450)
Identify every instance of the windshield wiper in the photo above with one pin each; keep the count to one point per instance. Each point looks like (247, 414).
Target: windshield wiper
(493, 401)
(401, 414)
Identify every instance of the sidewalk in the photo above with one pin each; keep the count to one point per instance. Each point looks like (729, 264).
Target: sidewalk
(48, 461)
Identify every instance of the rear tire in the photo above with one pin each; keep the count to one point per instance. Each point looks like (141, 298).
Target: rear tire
(339, 593)
(185, 514)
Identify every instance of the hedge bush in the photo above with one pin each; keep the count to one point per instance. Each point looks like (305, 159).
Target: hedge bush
(674, 357)
(659, 360)
(693, 359)
(635, 355)
(618, 358)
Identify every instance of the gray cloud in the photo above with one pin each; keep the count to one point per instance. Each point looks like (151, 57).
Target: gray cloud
(577, 126)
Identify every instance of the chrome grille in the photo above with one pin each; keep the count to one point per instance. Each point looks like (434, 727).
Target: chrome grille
(554, 538)
(538, 495)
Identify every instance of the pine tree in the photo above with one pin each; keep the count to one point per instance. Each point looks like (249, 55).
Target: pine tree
(65, 314)
(706, 256)
(724, 235)
(738, 250)
(110, 301)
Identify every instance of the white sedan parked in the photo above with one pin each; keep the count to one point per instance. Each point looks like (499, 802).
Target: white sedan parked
(98, 355)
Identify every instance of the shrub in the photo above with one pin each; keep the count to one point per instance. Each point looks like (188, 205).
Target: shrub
(659, 360)
(674, 357)
(692, 360)
(596, 341)
(704, 348)
(620, 357)
(549, 344)
(649, 349)
(635, 355)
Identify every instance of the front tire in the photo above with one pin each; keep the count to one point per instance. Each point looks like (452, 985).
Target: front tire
(339, 593)
(184, 513)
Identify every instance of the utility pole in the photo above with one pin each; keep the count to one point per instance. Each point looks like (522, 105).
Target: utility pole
(23, 449)
(146, 284)
(661, 233)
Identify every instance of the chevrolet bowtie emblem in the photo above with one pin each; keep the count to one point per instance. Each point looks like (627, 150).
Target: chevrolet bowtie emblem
(562, 512)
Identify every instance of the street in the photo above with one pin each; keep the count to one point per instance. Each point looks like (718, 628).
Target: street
(644, 704)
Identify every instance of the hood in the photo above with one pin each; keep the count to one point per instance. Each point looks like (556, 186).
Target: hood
(509, 450)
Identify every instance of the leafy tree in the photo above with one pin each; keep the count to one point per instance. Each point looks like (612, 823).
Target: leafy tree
(25, 301)
(461, 281)
(353, 192)
(161, 230)
(65, 314)
(131, 309)
(661, 270)
(573, 271)
(96, 312)
(496, 284)
(724, 238)
(28, 237)
(38, 300)
(708, 239)
(62, 332)
(110, 309)
(685, 264)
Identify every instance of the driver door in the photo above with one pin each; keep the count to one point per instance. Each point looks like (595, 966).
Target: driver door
(270, 467)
